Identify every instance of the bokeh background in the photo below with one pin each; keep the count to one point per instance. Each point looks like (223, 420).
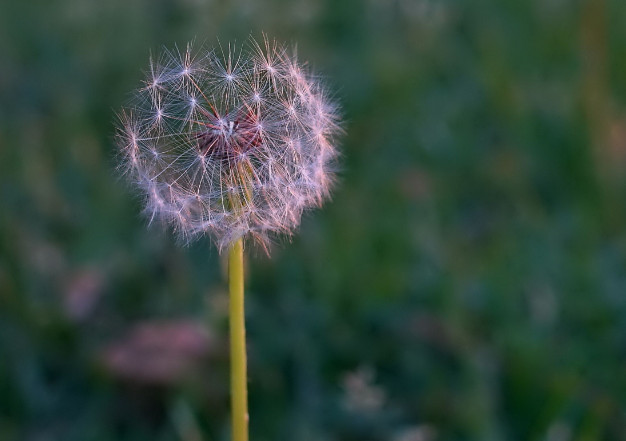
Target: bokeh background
(467, 282)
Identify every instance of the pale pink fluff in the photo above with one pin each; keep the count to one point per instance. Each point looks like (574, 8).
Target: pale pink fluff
(230, 142)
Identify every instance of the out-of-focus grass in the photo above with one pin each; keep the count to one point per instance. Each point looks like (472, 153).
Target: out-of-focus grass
(467, 282)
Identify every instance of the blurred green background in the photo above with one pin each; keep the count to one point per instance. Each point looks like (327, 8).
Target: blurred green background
(467, 282)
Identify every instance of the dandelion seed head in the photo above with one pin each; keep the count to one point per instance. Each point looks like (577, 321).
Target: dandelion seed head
(229, 142)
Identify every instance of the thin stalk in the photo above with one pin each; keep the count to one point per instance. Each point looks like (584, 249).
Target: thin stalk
(238, 375)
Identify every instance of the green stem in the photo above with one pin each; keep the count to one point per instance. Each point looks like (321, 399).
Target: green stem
(238, 376)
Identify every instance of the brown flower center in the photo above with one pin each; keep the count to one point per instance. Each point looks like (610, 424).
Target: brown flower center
(229, 138)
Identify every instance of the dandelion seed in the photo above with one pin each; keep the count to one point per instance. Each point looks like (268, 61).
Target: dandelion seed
(230, 143)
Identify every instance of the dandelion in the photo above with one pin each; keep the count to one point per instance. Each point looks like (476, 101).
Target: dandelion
(231, 143)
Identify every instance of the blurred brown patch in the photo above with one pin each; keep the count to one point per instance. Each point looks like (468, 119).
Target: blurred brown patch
(417, 433)
(158, 352)
(434, 331)
(415, 184)
(617, 141)
(361, 394)
(82, 292)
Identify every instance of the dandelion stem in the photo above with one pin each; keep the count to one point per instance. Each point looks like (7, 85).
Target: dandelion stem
(238, 376)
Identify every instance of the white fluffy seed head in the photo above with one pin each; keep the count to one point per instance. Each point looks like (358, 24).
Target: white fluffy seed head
(229, 142)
